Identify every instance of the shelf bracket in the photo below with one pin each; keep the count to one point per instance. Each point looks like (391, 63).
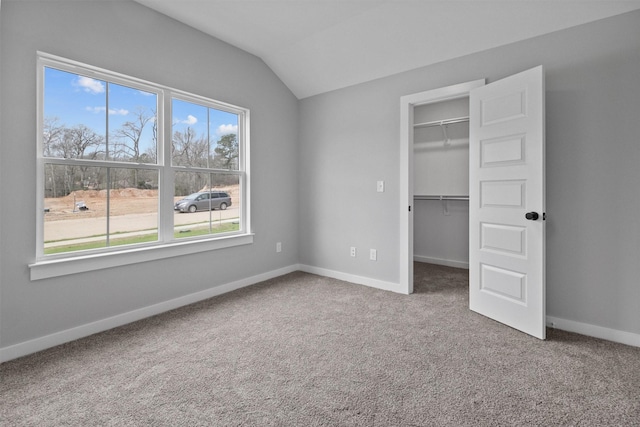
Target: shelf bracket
(443, 126)
(445, 206)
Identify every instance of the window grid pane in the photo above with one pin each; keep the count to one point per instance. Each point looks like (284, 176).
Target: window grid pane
(212, 209)
(93, 207)
(132, 124)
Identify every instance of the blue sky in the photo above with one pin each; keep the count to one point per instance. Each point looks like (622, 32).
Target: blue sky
(186, 114)
(76, 99)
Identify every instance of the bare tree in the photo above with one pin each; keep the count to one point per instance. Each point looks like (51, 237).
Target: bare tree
(128, 136)
(78, 142)
(189, 150)
(51, 134)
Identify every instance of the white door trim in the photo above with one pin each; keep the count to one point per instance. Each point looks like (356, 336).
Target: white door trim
(407, 103)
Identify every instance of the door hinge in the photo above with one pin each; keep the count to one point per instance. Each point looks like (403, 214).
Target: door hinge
(409, 208)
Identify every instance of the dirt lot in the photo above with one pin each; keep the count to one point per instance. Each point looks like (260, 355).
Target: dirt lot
(122, 202)
(131, 210)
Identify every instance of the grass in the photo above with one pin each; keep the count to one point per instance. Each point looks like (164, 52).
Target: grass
(93, 236)
(143, 238)
(222, 228)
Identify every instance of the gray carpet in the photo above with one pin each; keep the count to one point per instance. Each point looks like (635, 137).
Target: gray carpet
(303, 350)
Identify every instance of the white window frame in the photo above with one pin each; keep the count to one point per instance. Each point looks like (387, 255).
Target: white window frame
(45, 266)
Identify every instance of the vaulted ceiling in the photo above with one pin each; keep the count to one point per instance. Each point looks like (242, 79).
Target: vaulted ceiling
(316, 46)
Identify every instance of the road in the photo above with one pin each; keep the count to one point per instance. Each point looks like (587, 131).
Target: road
(80, 228)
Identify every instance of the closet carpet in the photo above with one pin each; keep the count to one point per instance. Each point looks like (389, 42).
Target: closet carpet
(303, 350)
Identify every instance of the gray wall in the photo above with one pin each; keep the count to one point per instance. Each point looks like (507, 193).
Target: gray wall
(439, 238)
(350, 138)
(318, 196)
(131, 39)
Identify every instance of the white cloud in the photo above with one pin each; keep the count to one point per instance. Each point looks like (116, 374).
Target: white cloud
(190, 120)
(226, 130)
(89, 85)
(112, 111)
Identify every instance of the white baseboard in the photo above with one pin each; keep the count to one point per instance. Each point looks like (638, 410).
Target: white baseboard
(614, 335)
(42, 343)
(447, 262)
(48, 341)
(360, 280)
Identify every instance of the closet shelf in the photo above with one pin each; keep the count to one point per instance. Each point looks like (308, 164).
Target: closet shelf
(442, 122)
(443, 197)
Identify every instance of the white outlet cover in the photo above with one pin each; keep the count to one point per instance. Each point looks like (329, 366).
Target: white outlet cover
(380, 186)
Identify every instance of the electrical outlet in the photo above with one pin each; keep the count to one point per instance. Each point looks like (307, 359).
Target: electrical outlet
(353, 251)
(380, 187)
(279, 247)
(373, 254)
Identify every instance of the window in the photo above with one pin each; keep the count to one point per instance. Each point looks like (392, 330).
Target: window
(126, 164)
(205, 148)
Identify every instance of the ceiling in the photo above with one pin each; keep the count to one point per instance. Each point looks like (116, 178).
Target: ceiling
(316, 46)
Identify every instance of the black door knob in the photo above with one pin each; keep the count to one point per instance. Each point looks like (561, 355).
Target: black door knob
(532, 216)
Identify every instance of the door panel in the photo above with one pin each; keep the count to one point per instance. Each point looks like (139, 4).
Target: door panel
(502, 151)
(503, 238)
(506, 175)
(503, 283)
(502, 194)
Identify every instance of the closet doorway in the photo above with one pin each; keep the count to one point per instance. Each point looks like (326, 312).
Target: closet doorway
(441, 183)
(504, 150)
(428, 116)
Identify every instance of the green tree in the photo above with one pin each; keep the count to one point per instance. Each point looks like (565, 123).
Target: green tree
(227, 151)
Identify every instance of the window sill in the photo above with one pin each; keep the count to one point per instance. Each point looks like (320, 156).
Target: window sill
(62, 267)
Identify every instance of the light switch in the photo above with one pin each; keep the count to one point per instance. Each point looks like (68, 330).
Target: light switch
(380, 186)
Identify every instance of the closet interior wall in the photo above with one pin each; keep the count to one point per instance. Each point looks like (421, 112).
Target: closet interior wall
(441, 172)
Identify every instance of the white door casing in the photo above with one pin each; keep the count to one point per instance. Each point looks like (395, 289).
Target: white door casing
(407, 104)
(507, 182)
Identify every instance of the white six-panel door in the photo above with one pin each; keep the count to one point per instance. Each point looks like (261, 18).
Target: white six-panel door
(506, 176)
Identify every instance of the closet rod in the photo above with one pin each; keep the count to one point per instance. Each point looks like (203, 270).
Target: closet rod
(423, 197)
(442, 122)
